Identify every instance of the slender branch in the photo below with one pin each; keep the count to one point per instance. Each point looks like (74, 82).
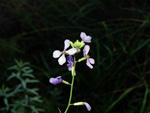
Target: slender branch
(71, 89)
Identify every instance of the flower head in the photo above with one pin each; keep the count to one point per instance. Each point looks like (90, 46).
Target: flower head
(78, 45)
(85, 38)
(70, 62)
(83, 103)
(56, 80)
(89, 60)
(61, 54)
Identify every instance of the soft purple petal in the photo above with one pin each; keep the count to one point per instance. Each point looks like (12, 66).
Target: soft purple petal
(88, 64)
(71, 51)
(70, 59)
(56, 53)
(87, 106)
(87, 39)
(70, 62)
(56, 80)
(66, 44)
(86, 50)
(69, 67)
(83, 36)
(91, 60)
(62, 60)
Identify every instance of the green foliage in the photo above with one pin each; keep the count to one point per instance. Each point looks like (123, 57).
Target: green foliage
(21, 97)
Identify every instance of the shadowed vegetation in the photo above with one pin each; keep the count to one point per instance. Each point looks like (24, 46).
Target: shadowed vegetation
(119, 81)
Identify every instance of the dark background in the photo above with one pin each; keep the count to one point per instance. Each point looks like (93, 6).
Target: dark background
(30, 30)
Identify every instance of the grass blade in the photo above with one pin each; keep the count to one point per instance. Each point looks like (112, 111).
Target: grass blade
(121, 96)
(144, 100)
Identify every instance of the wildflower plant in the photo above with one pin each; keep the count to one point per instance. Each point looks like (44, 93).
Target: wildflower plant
(71, 59)
(20, 97)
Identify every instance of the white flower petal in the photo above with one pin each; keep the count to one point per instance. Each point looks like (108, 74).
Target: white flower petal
(62, 60)
(88, 64)
(56, 53)
(91, 60)
(66, 44)
(82, 35)
(86, 50)
(71, 51)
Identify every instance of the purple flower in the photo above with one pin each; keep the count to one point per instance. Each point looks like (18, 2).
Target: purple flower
(89, 60)
(87, 106)
(56, 80)
(70, 62)
(60, 54)
(83, 103)
(85, 38)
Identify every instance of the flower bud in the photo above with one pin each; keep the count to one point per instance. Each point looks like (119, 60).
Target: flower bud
(82, 59)
(65, 82)
(78, 104)
(71, 43)
(82, 44)
(83, 103)
(78, 44)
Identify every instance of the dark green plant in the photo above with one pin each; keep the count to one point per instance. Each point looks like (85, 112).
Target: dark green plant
(21, 97)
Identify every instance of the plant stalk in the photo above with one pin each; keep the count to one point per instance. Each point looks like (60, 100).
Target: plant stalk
(71, 89)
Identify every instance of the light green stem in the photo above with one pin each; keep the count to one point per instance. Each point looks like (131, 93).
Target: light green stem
(71, 89)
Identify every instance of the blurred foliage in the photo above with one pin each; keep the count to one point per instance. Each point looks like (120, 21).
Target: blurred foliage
(119, 82)
(21, 97)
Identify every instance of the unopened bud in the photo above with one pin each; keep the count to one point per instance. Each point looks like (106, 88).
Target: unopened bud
(65, 82)
(78, 104)
(82, 59)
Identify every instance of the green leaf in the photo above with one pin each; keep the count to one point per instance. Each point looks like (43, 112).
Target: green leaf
(28, 75)
(6, 103)
(19, 63)
(33, 91)
(26, 68)
(34, 110)
(28, 71)
(30, 81)
(16, 90)
(37, 99)
(11, 76)
(5, 91)
(25, 63)
(26, 100)
(17, 104)
(18, 75)
(13, 67)
(23, 84)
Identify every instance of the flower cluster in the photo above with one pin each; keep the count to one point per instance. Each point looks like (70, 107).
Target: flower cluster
(70, 53)
(75, 49)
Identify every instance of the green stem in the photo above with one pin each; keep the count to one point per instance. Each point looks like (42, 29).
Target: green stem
(71, 89)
